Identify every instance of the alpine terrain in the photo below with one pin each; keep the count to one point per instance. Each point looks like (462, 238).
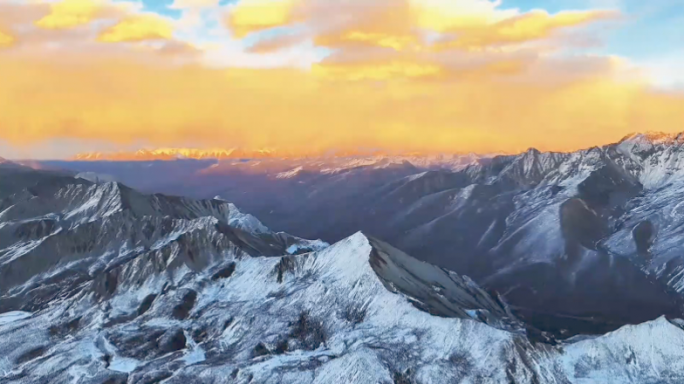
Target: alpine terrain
(577, 243)
(533, 268)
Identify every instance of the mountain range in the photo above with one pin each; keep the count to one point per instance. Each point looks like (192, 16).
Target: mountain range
(513, 223)
(529, 268)
(173, 154)
(166, 154)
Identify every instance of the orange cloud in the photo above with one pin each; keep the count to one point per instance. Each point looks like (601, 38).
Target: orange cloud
(69, 14)
(382, 23)
(250, 16)
(402, 24)
(380, 39)
(379, 71)
(6, 39)
(530, 26)
(411, 75)
(417, 39)
(138, 28)
(126, 100)
(447, 15)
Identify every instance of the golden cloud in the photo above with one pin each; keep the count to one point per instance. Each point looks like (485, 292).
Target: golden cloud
(402, 24)
(380, 71)
(382, 39)
(530, 26)
(447, 15)
(250, 16)
(6, 39)
(69, 14)
(386, 84)
(298, 110)
(138, 28)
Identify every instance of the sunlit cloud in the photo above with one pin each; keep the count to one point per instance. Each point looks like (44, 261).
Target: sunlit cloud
(124, 102)
(381, 71)
(65, 14)
(250, 16)
(403, 23)
(411, 38)
(530, 26)
(69, 14)
(5, 39)
(139, 28)
(312, 75)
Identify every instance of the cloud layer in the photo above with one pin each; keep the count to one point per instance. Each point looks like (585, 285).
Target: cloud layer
(410, 75)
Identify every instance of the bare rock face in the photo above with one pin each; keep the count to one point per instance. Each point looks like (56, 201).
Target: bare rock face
(644, 235)
(182, 310)
(171, 341)
(581, 225)
(224, 272)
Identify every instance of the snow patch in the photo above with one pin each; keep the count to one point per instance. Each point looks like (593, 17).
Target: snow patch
(289, 174)
(11, 317)
(123, 364)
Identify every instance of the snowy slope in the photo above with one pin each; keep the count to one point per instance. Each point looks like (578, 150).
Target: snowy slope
(335, 316)
(102, 284)
(70, 230)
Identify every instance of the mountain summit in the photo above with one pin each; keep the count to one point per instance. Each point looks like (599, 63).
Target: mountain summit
(654, 137)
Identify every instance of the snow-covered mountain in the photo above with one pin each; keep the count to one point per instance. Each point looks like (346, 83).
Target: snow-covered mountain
(61, 230)
(165, 154)
(293, 159)
(100, 283)
(547, 230)
(276, 190)
(604, 219)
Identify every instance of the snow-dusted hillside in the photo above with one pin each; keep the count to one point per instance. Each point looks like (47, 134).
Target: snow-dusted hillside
(340, 315)
(60, 233)
(102, 284)
(635, 180)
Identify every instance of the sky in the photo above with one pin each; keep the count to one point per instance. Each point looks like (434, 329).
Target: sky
(451, 76)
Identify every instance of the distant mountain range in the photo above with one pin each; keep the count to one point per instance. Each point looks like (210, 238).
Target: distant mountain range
(100, 283)
(166, 154)
(174, 154)
(514, 223)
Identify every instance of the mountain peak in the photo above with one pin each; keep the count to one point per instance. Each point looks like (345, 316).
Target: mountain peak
(652, 137)
(174, 154)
